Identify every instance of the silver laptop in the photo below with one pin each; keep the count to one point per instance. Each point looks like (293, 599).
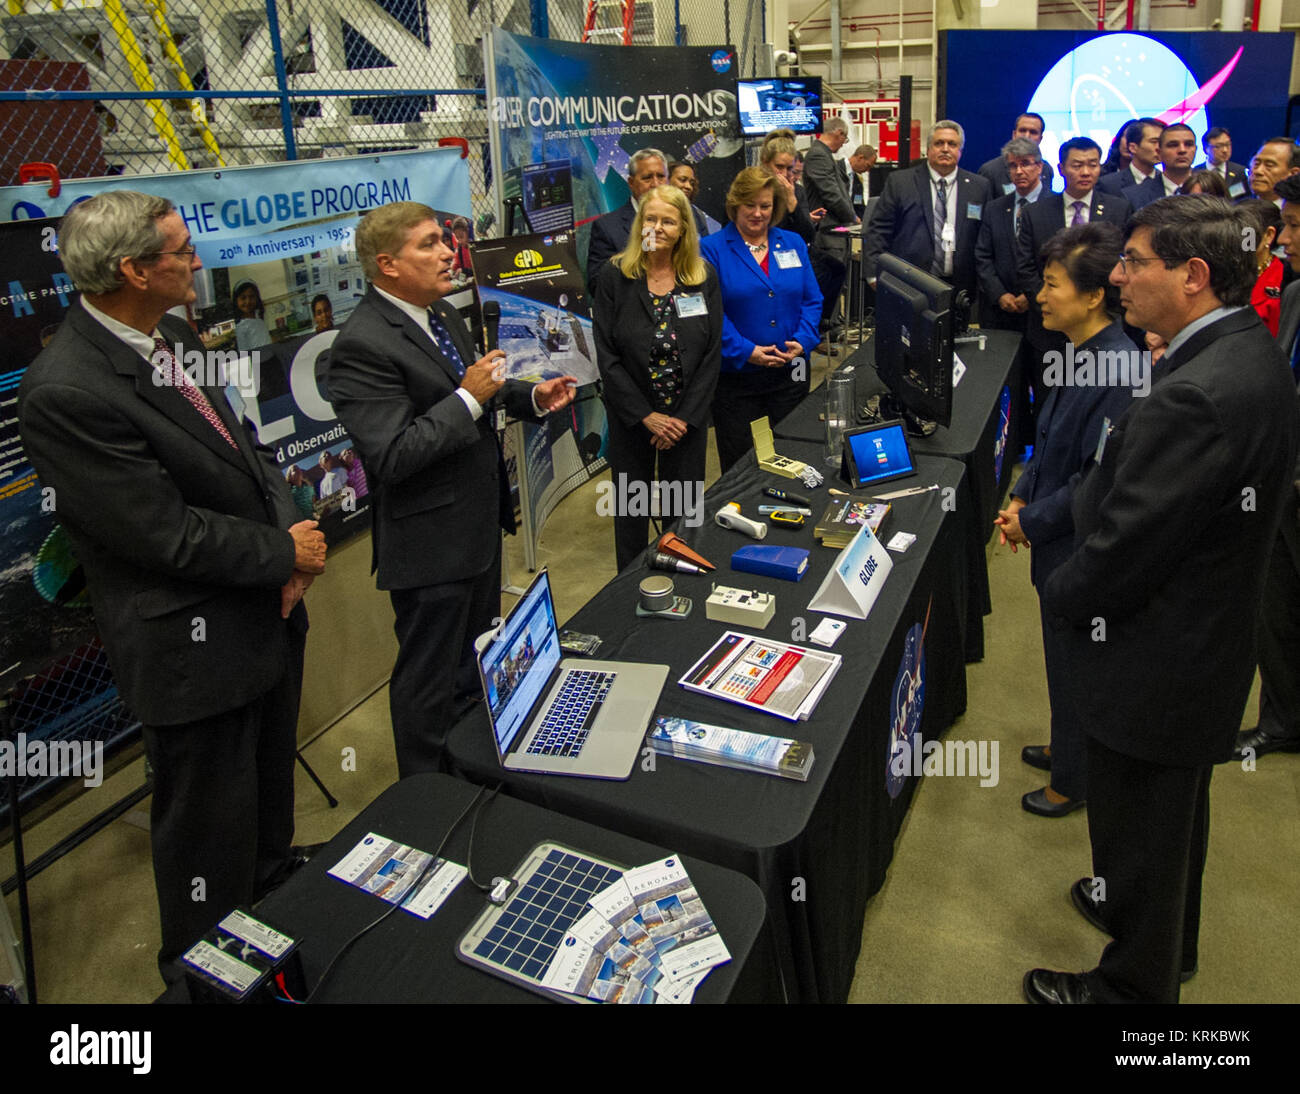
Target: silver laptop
(562, 717)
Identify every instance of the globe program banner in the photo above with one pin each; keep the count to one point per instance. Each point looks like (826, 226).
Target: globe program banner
(279, 276)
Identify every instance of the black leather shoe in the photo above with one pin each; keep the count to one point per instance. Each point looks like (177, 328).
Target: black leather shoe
(1036, 802)
(1263, 742)
(1081, 898)
(299, 856)
(1037, 756)
(1047, 986)
(1186, 974)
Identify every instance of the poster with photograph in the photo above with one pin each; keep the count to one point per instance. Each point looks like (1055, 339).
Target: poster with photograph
(595, 105)
(545, 331)
(44, 605)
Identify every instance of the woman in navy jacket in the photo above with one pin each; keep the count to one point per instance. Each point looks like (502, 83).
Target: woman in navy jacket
(658, 323)
(1078, 299)
(771, 306)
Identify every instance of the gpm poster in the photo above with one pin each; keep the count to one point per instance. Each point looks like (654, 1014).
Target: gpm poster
(596, 105)
(545, 331)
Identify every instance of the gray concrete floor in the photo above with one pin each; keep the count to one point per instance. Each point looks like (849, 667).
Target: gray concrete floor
(976, 894)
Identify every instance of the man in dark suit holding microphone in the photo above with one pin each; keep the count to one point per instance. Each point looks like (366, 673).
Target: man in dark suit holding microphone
(424, 414)
(194, 553)
(1157, 606)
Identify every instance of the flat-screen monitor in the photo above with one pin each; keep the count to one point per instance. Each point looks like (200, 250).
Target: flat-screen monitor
(790, 102)
(914, 331)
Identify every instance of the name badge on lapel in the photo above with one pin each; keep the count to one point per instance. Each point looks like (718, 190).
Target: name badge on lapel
(1101, 440)
(1236, 189)
(788, 260)
(499, 419)
(1007, 187)
(974, 210)
(690, 305)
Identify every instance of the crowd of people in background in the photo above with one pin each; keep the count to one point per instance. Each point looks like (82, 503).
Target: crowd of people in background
(1129, 260)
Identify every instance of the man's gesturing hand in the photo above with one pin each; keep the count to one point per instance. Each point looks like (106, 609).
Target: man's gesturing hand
(308, 547)
(556, 393)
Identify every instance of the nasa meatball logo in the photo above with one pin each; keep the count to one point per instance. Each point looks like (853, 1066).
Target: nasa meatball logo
(906, 705)
(1096, 88)
(720, 59)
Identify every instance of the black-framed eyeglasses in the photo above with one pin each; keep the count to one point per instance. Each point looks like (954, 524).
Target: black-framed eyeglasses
(1137, 263)
(185, 252)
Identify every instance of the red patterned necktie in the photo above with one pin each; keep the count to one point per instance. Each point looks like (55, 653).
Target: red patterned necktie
(175, 376)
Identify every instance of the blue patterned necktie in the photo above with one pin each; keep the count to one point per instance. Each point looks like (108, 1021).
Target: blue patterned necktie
(442, 339)
(1078, 214)
(940, 219)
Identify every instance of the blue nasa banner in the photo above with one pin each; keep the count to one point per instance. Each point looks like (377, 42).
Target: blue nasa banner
(1091, 84)
(596, 105)
(232, 202)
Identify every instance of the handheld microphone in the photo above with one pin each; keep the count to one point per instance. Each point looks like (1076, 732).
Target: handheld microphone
(491, 334)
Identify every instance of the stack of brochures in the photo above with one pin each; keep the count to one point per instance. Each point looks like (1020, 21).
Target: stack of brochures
(732, 748)
(647, 938)
(845, 515)
(389, 870)
(774, 677)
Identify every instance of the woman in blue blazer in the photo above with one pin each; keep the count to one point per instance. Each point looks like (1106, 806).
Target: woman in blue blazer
(1085, 392)
(658, 323)
(771, 306)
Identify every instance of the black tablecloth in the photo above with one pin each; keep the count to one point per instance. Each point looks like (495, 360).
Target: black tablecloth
(407, 959)
(817, 849)
(984, 403)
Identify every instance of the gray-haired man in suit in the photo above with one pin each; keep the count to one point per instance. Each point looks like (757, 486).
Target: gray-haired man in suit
(194, 553)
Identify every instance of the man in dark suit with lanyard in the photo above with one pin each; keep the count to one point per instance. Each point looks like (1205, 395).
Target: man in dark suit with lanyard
(929, 215)
(194, 554)
(1217, 144)
(1278, 727)
(997, 251)
(424, 415)
(1157, 606)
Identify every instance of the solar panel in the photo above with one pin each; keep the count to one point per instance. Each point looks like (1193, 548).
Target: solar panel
(519, 939)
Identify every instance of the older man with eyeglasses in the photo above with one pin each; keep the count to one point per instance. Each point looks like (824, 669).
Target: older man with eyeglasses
(194, 553)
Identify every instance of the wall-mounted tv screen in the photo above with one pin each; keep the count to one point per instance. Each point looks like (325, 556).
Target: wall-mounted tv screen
(792, 102)
(1088, 84)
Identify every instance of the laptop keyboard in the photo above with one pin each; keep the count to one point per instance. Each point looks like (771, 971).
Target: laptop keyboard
(573, 712)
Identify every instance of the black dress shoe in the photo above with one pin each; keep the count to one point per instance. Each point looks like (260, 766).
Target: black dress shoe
(1047, 986)
(1037, 756)
(1263, 742)
(1081, 898)
(1036, 802)
(299, 856)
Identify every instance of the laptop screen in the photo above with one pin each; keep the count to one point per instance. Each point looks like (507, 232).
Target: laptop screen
(879, 453)
(518, 662)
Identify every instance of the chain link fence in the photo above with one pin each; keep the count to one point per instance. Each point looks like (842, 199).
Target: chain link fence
(143, 86)
(670, 23)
